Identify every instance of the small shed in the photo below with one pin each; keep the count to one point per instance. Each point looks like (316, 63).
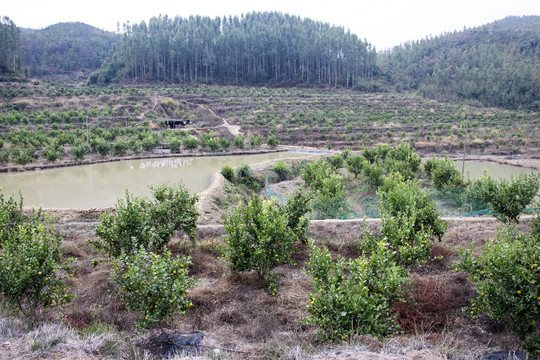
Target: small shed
(174, 123)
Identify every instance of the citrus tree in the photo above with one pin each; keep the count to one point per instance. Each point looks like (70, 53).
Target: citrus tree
(507, 280)
(258, 238)
(153, 285)
(148, 223)
(32, 271)
(410, 221)
(406, 198)
(508, 199)
(353, 296)
(297, 209)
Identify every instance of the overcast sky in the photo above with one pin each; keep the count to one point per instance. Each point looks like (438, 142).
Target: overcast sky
(384, 23)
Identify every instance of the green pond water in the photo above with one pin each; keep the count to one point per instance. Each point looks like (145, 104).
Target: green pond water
(100, 185)
(475, 169)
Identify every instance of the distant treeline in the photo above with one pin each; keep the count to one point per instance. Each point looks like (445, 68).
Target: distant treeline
(10, 59)
(496, 64)
(258, 48)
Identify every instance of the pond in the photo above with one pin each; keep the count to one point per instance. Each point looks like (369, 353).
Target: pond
(100, 185)
(475, 169)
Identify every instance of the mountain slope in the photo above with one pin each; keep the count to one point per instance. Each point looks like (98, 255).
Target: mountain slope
(497, 64)
(65, 47)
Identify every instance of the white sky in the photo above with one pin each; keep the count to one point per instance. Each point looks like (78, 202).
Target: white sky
(384, 23)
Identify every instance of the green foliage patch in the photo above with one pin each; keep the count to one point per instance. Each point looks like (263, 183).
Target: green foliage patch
(506, 276)
(140, 222)
(153, 285)
(32, 271)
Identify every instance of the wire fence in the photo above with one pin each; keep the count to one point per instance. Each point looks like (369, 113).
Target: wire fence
(272, 194)
(373, 213)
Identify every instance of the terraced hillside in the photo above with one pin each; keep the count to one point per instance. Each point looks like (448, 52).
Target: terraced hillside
(36, 116)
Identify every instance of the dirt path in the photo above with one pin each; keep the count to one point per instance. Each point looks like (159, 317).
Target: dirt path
(233, 129)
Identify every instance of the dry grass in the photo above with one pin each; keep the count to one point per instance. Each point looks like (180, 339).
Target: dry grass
(236, 312)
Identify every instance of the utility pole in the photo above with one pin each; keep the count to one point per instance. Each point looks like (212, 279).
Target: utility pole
(465, 151)
(87, 142)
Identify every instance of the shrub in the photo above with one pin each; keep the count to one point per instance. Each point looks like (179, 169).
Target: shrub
(272, 141)
(506, 279)
(190, 143)
(228, 173)
(353, 296)
(141, 223)
(120, 147)
(507, 199)
(336, 161)
(78, 152)
(282, 169)
(297, 209)
(355, 164)
(32, 272)
(258, 238)
(239, 141)
(224, 143)
(155, 286)
(443, 173)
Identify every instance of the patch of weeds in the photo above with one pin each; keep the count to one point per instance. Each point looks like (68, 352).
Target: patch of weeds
(98, 328)
(48, 336)
(211, 246)
(273, 352)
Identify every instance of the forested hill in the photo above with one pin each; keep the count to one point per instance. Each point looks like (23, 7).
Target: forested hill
(65, 47)
(497, 64)
(257, 48)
